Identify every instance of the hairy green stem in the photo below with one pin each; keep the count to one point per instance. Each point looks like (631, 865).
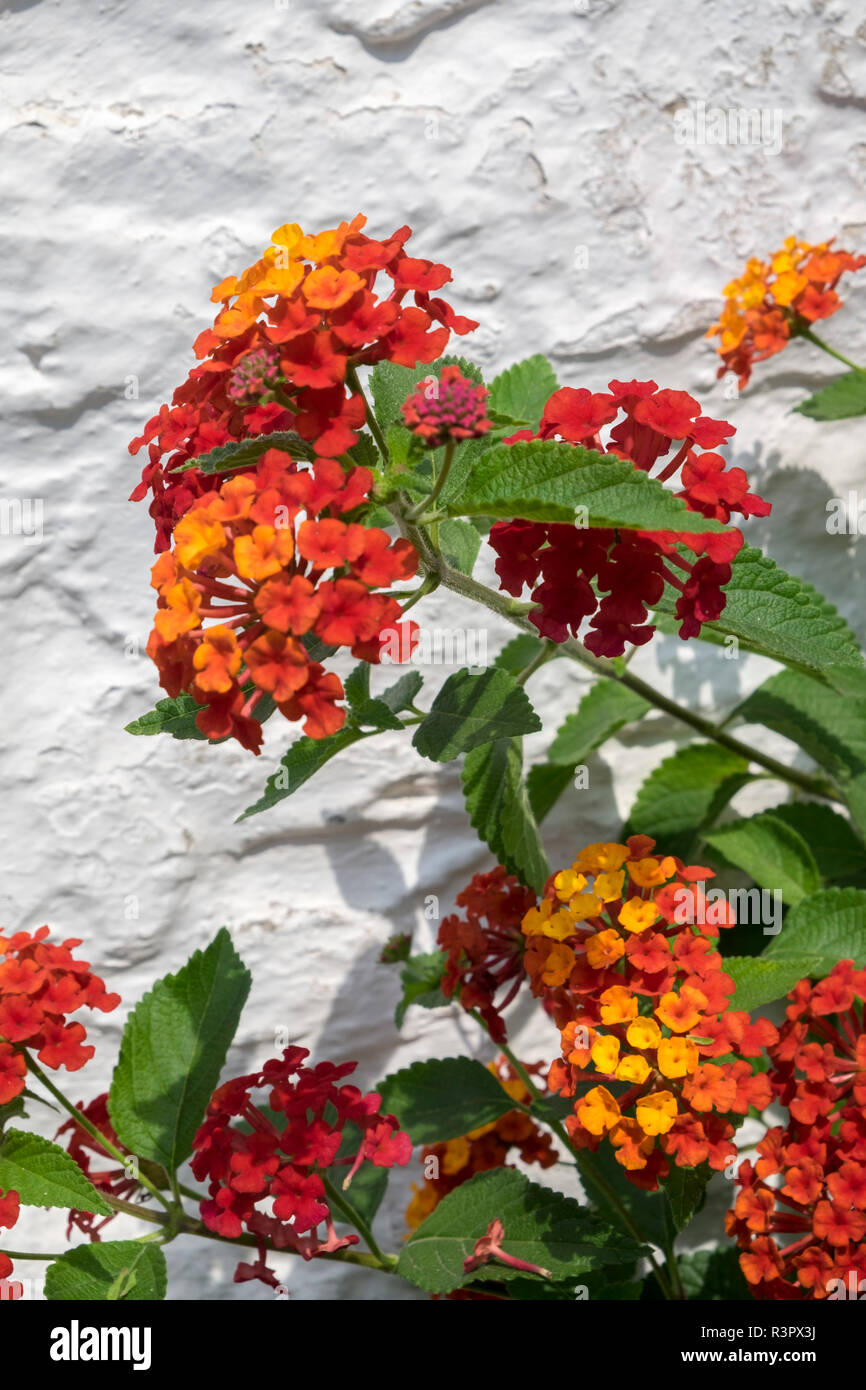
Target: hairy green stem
(825, 347)
(354, 385)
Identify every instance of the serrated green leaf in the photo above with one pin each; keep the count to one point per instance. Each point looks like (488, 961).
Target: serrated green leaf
(470, 710)
(603, 1179)
(541, 480)
(771, 852)
(175, 717)
(522, 391)
(686, 1189)
(830, 727)
(127, 1270)
(843, 398)
(246, 454)
(760, 979)
(173, 1048)
(604, 710)
(460, 543)
(714, 1275)
(421, 978)
(831, 925)
(519, 653)
(444, 1098)
(299, 763)
(498, 805)
(685, 793)
(839, 852)
(44, 1175)
(541, 1226)
(778, 616)
(401, 695)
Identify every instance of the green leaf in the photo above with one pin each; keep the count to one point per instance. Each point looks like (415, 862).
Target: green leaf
(601, 1177)
(778, 616)
(421, 978)
(844, 397)
(770, 852)
(175, 717)
(460, 543)
(247, 453)
(838, 851)
(299, 763)
(760, 980)
(110, 1270)
(473, 709)
(401, 695)
(522, 391)
(686, 1190)
(685, 793)
(172, 1051)
(541, 1227)
(541, 480)
(832, 925)
(444, 1098)
(498, 806)
(517, 654)
(830, 727)
(714, 1275)
(44, 1175)
(604, 709)
(545, 783)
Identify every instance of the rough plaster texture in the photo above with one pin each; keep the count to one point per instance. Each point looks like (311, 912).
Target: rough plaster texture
(149, 149)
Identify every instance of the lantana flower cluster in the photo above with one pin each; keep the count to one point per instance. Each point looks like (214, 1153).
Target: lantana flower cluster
(773, 301)
(257, 564)
(447, 409)
(610, 579)
(447, 1165)
(40, 984)
(800, 1214)
(484, 947)
(116, 1180)
(279, 356)
(265, 1171)
(626, 938)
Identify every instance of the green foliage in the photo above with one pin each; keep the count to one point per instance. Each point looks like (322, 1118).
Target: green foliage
(44, 1175)
(843, 398)
(541, 1227)
(831, 925)
(421, 979)
(444, 1098)
(541, 480)
(685, 793)
(761, 979)
(771, 852)
(470, 710)
(522, 391)
(499, 809)
(112, 1270)
(246, 454)
(172, 1052)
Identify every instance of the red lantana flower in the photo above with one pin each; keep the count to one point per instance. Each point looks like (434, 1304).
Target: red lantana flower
(289, 331)
(283, 1165)
(447, 408)
(258, 565)
(800, 1214)
(610, 579)
(40, 984)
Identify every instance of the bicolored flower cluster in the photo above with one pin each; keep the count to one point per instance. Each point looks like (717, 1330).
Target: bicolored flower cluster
(257, 564)
(568, 567)
(625, 938)
(447, 409)
(484, 948)
(447, 1165)
(10, 1209)
(800, 1214)
(40, 984)
(279, 356)
(115, 1180)
(250, 1160)
(775, 300)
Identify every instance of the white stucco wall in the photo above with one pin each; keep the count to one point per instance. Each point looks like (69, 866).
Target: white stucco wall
(148, 150)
